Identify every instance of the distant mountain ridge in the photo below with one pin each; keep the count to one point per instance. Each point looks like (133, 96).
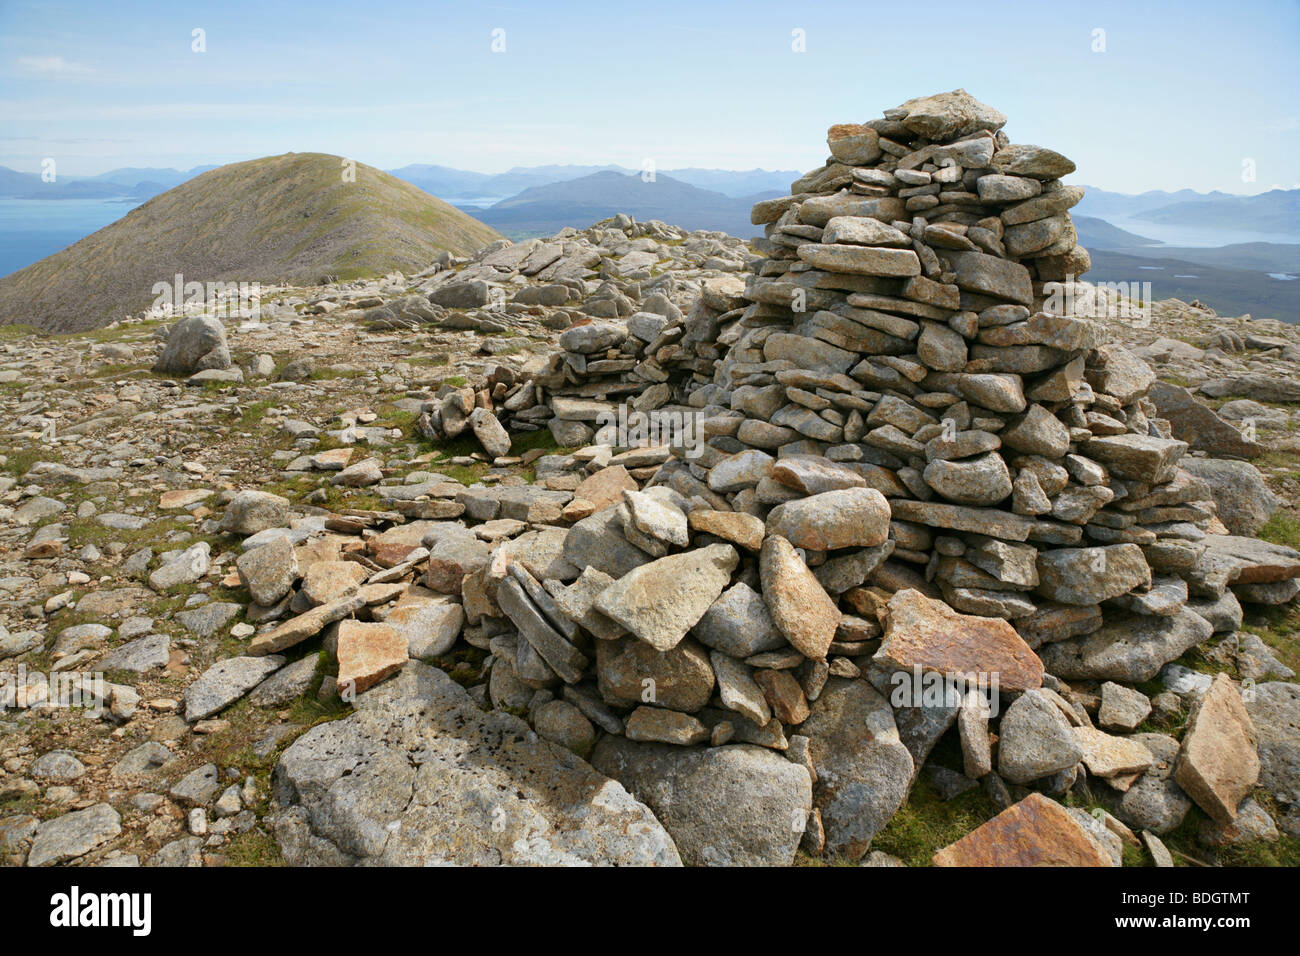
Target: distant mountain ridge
(126, 183)
(1102, 203)
(290, 217)
(545, 210)
(1276, 211)
(445, 182)
(459, 184)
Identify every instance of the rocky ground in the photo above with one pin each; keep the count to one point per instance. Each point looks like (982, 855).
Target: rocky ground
(356, 596)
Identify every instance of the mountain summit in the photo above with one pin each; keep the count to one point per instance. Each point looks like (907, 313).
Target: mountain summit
(297, 218)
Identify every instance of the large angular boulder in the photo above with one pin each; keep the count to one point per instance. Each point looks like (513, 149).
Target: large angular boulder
(1274, 710)
(928, 634)
(737, 805)
(863, 770)
(195, 344)
(1037, 831)
(845, 518)
(1091, 575)
(800, 607)
(419, 775)
(1130, 648)
(1242, 500)
(1218, 763)
(1035, 740)
(660, 601)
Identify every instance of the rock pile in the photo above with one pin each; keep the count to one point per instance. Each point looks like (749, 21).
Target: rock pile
(624, 333)
(644, 360)
(929, 497)
(917, 432)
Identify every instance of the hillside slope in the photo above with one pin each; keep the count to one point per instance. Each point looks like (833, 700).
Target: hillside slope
(289, 217)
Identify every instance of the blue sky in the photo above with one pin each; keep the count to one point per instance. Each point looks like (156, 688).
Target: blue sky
(1182, 94)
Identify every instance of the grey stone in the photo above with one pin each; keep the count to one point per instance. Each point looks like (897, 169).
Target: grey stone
(269, 571)
(1243, 501)
(287, 684)
(737, 805)
(138, 656)
(194, 344)
(1154, 801)
(739, 624)
(863, 770)
(1035, 740)
(252, 511)
(1274, 709)
(146, 758)
(74, 834)
(1130, 648)
(661, 601)
(182, 567)
(225, 682)
(207, 619)
(197, 788)
(57, 766)
(486, 790)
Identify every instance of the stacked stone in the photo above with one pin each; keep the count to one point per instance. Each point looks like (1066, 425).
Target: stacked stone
(1027, 475)
(929, 499)
(626, 332)
(643, 359)
(485, 410)
(913, 465)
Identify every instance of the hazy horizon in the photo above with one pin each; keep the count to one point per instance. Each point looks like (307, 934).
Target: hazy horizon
(629, 170)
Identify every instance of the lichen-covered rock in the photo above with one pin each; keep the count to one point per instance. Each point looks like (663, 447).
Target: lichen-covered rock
(349, 791)
(736, 805)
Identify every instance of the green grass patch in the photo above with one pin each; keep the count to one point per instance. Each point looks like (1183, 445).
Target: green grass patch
(331, 373)
(253, 414)
(1283, 528)
(20, 460)
(927, 823)
(16, 330)
(1279, 628)
(254, 847)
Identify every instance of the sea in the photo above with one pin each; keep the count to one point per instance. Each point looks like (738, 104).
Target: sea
(31, 229)
(1203, 237)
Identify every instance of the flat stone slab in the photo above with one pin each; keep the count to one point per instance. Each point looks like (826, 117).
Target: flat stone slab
(1037, 831)
(74, 834)
(928, 634)
(419, 775)
(1259, 562)
(138, 656)
(660, 601)
(1218, 762)
(225, 682)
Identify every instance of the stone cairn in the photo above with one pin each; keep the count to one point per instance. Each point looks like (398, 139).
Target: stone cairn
(912, 434)
(926, 499)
